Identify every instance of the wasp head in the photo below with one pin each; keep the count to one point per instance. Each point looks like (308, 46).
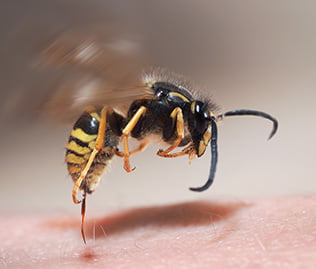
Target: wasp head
(199, 121)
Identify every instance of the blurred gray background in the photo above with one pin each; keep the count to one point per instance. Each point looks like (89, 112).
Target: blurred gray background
(247, 54)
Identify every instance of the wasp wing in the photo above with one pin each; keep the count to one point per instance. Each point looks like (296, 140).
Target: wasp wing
(78, 68)
(67, 101)
(97, 69)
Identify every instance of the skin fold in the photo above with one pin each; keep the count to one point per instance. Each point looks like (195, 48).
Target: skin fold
(257, 233)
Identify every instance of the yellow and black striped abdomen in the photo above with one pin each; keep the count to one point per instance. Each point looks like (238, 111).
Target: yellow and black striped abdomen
(80, 146)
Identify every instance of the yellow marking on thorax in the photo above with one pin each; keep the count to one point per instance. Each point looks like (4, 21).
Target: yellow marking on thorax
(193, 107)
(82, 136)
(180, 96)
(72, 145)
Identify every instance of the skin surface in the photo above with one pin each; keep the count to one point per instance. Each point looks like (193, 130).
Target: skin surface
(262, 233)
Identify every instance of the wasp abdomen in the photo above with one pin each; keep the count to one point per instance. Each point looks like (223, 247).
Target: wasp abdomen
(80, 146)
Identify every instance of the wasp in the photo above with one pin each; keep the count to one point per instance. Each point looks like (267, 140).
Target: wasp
(168, 111)
(161, 106)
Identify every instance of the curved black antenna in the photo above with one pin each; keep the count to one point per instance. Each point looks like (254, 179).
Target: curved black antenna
(213, 159)
(83, 213)
(247, 112)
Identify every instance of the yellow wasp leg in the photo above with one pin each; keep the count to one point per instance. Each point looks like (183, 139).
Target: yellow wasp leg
(141, 147)
(189, 150)
(177, 115)
(173, 155)
(98, 146)
(126, 131)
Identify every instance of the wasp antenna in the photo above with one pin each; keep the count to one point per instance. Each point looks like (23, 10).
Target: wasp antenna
(83, 213)
(214, 156)
(247, 112)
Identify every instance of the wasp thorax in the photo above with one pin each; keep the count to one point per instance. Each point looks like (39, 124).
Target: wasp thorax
(161, 89)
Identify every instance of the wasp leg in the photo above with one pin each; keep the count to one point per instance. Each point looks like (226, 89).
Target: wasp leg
(126, 131)
(98, 146)
(189, 150)
(177, 115)
(141, 147)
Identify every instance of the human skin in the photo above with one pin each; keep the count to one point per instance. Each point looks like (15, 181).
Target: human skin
(258, 233)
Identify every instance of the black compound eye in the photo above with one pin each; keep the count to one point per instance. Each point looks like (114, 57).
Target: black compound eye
(202, 117)
(200, 110)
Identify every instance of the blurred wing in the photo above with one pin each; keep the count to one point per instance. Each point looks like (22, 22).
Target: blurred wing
(95, 69)
(70, 99)
(99, 51)
(94, 66)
